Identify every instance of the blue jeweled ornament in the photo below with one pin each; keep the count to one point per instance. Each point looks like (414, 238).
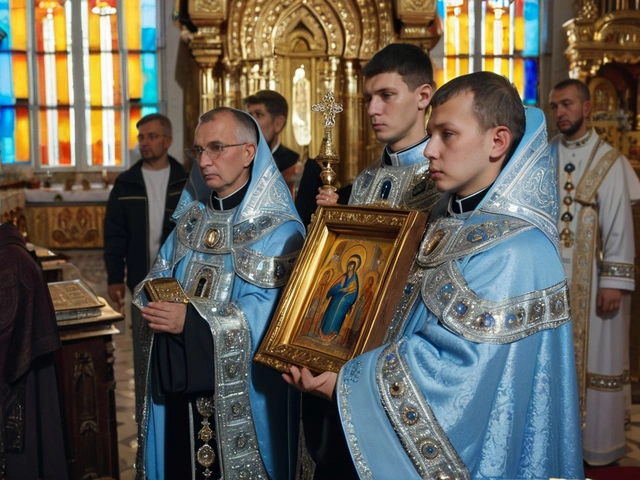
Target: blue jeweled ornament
(461, 309)
(486, 320)
(445, 292)
(385, 190)
(410, 416)
(429, 450)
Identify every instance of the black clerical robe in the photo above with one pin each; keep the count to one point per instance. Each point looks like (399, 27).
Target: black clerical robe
(32, 443)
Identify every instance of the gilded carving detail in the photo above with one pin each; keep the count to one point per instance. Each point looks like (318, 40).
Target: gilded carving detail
(588, 11)
(208, 6)
(419, 5)
(337, 23)
(353, 29)
(596, 40)
(300, 357)
(368, 218)
(317, 40)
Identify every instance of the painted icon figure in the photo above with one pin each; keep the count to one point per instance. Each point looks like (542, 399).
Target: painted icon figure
(343, 294)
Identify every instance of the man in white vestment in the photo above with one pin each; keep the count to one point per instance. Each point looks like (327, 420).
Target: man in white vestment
(596, 187)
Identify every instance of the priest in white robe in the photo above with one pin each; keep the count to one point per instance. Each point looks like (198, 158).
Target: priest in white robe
(596, 187)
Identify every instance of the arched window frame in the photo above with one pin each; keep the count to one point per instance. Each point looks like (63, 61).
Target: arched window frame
(136, 57)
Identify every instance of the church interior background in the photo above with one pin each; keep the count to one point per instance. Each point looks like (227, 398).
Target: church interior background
(76, 75)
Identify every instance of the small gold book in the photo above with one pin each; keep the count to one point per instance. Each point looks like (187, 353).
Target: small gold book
(165, 289)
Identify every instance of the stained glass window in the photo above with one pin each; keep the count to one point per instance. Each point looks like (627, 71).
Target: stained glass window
(15, 137)
(81, 73)
(501, 36)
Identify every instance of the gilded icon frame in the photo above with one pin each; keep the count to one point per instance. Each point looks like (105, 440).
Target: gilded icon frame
(366, 250)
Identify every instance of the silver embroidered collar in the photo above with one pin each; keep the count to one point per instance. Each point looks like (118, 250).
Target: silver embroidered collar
(577, 143)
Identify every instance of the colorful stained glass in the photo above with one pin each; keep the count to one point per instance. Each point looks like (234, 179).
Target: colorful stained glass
(143, 65)
(43, 39)
(509, 41)
(14, 91)
(458, 38)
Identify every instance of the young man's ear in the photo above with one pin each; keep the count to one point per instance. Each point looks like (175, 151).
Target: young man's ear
(278, 123)
(501, 142)
(425, 91)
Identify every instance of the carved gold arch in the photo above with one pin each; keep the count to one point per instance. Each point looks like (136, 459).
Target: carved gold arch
(606, 44)
(596, 40)
(241, 47)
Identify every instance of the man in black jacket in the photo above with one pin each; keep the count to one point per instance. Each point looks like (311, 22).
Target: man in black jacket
(138, 217)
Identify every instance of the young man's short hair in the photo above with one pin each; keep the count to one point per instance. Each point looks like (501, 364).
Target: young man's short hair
(164, 122)
(496, 102)
(405, 59)
(275, 103)
(583, 91)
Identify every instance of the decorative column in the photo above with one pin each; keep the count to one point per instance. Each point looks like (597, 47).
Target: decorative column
(417, 22)
(584, 59)
(206, 47)
(353, 116)
(231, 84)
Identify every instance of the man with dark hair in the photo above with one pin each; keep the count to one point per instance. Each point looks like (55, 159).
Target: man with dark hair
(597, 185)
(397, 90)
(398, 84)
(138, 216)
(482, 384)
(270, 109)
(209, 410)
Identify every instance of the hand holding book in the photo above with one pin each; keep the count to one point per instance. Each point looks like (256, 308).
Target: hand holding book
(165, 289)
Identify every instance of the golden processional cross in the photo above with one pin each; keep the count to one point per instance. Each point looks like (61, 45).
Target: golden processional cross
(328, 155)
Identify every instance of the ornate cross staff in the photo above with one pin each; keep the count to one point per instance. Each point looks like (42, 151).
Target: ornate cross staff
(328, 155)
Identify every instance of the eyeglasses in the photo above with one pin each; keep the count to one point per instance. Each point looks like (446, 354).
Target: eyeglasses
(213, 150)
(150, 136)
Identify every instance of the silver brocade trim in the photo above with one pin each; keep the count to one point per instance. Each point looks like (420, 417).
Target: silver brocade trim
(159, 266)
(528, 187)
(251, 230)
(269, 197)
(422, 437)
(211, 274)
(410, 187)
(305, 466)
(409, 295)
(197, 221)
(605, 383)
(263, 271)
(143, 395)
(350, 373)
(577, 143)
(235, 431)
(448, 296)
(619, 270)
(256, 268)
(448, 238)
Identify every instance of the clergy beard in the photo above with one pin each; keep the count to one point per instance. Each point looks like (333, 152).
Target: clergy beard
(573, 128)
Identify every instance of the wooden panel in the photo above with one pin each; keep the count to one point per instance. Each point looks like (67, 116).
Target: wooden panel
(66, 226)
(87, 380)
